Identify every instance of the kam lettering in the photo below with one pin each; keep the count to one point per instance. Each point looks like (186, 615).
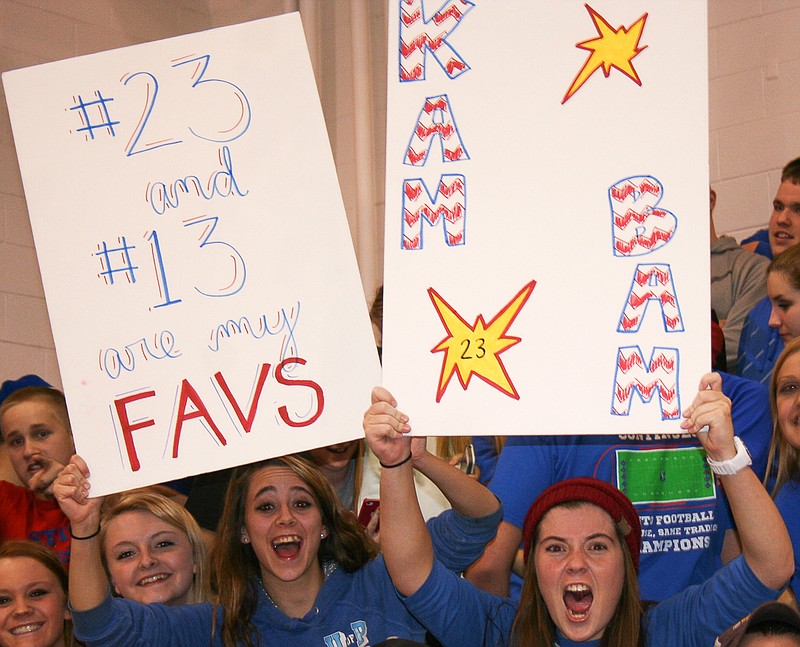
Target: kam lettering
(435, 126)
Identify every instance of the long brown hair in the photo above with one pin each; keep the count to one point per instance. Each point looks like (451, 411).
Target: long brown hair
(783, 461)
(234, 566)
(534, 626)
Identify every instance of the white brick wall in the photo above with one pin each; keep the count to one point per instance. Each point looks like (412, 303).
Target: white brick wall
(754, 69)
(38, 31)
(754, 97)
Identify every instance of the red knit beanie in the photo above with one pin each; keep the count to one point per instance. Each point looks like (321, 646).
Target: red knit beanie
(588, 490)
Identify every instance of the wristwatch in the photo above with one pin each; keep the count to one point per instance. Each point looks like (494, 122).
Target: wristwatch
(732, 465)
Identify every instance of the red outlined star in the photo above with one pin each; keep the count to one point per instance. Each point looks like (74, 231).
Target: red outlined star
(614, 48)
(475, 350)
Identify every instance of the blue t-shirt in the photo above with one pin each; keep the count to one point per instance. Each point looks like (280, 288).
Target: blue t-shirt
(788, 503)
(759, 344)
(681, 507)
(485, 456)
(761, 239)
(457, 613)
(358, 608)
(561, 641)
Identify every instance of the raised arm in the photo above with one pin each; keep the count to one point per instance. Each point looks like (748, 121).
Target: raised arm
(466, 495)
(765, 541)
(492, 571)
(88, 585)
(405, 542)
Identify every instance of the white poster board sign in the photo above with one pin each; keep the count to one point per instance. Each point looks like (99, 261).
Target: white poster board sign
(547, 252)
(198, 268)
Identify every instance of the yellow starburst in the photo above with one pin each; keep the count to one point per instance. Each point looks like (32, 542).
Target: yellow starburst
(614, 48)
(474, 350)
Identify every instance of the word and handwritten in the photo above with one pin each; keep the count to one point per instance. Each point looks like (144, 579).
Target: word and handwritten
(113, 361)
(221, 183)
(285, 321)
(192, 406)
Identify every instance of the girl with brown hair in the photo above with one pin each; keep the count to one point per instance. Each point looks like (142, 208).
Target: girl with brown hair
(290, 564)
(582, 540)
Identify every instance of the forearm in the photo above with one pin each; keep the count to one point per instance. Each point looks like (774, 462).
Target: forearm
(764, 539)
(87, 580)
(493, 570)
(466, 495)
(405, 542)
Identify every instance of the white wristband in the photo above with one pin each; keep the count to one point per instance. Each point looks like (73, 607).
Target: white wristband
(733, 465)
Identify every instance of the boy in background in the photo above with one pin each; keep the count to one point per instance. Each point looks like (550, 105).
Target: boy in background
(35, 429)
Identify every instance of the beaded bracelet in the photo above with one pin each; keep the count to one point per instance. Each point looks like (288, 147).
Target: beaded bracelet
(402, 462)
(92, 536)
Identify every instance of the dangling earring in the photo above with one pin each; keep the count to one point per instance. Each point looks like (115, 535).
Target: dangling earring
(244, 538)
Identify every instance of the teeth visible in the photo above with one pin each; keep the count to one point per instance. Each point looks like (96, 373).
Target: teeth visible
(286, 540)
(577, 588)
(26, 629)
(152, 578)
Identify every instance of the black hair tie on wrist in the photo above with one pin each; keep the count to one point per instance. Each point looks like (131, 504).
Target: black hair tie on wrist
(402, 462)
(92, 536)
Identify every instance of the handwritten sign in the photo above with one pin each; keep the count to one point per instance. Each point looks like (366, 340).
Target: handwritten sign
(197, 264)
(546, 215)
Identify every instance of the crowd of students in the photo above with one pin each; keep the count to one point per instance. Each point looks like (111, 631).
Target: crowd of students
(559, 540)
(290, 562)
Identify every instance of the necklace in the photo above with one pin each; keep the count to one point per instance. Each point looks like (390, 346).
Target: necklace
(328, 567)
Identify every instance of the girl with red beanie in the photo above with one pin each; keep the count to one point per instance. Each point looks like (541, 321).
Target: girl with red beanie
(581, 543)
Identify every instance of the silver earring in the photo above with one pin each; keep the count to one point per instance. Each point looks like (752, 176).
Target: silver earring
(322, 535)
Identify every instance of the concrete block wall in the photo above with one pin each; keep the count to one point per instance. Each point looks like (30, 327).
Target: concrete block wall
(754, 98)
(40, 31)
(754, 106)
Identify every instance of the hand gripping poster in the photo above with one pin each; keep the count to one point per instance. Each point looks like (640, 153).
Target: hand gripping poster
(196, 259)
(547, 251)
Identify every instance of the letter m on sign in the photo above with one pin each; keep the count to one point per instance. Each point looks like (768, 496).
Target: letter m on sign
(659, 375)
(448, 206)
(418, 35)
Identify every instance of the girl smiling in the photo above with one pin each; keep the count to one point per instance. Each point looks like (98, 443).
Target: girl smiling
(33, 597)
(290, 565)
